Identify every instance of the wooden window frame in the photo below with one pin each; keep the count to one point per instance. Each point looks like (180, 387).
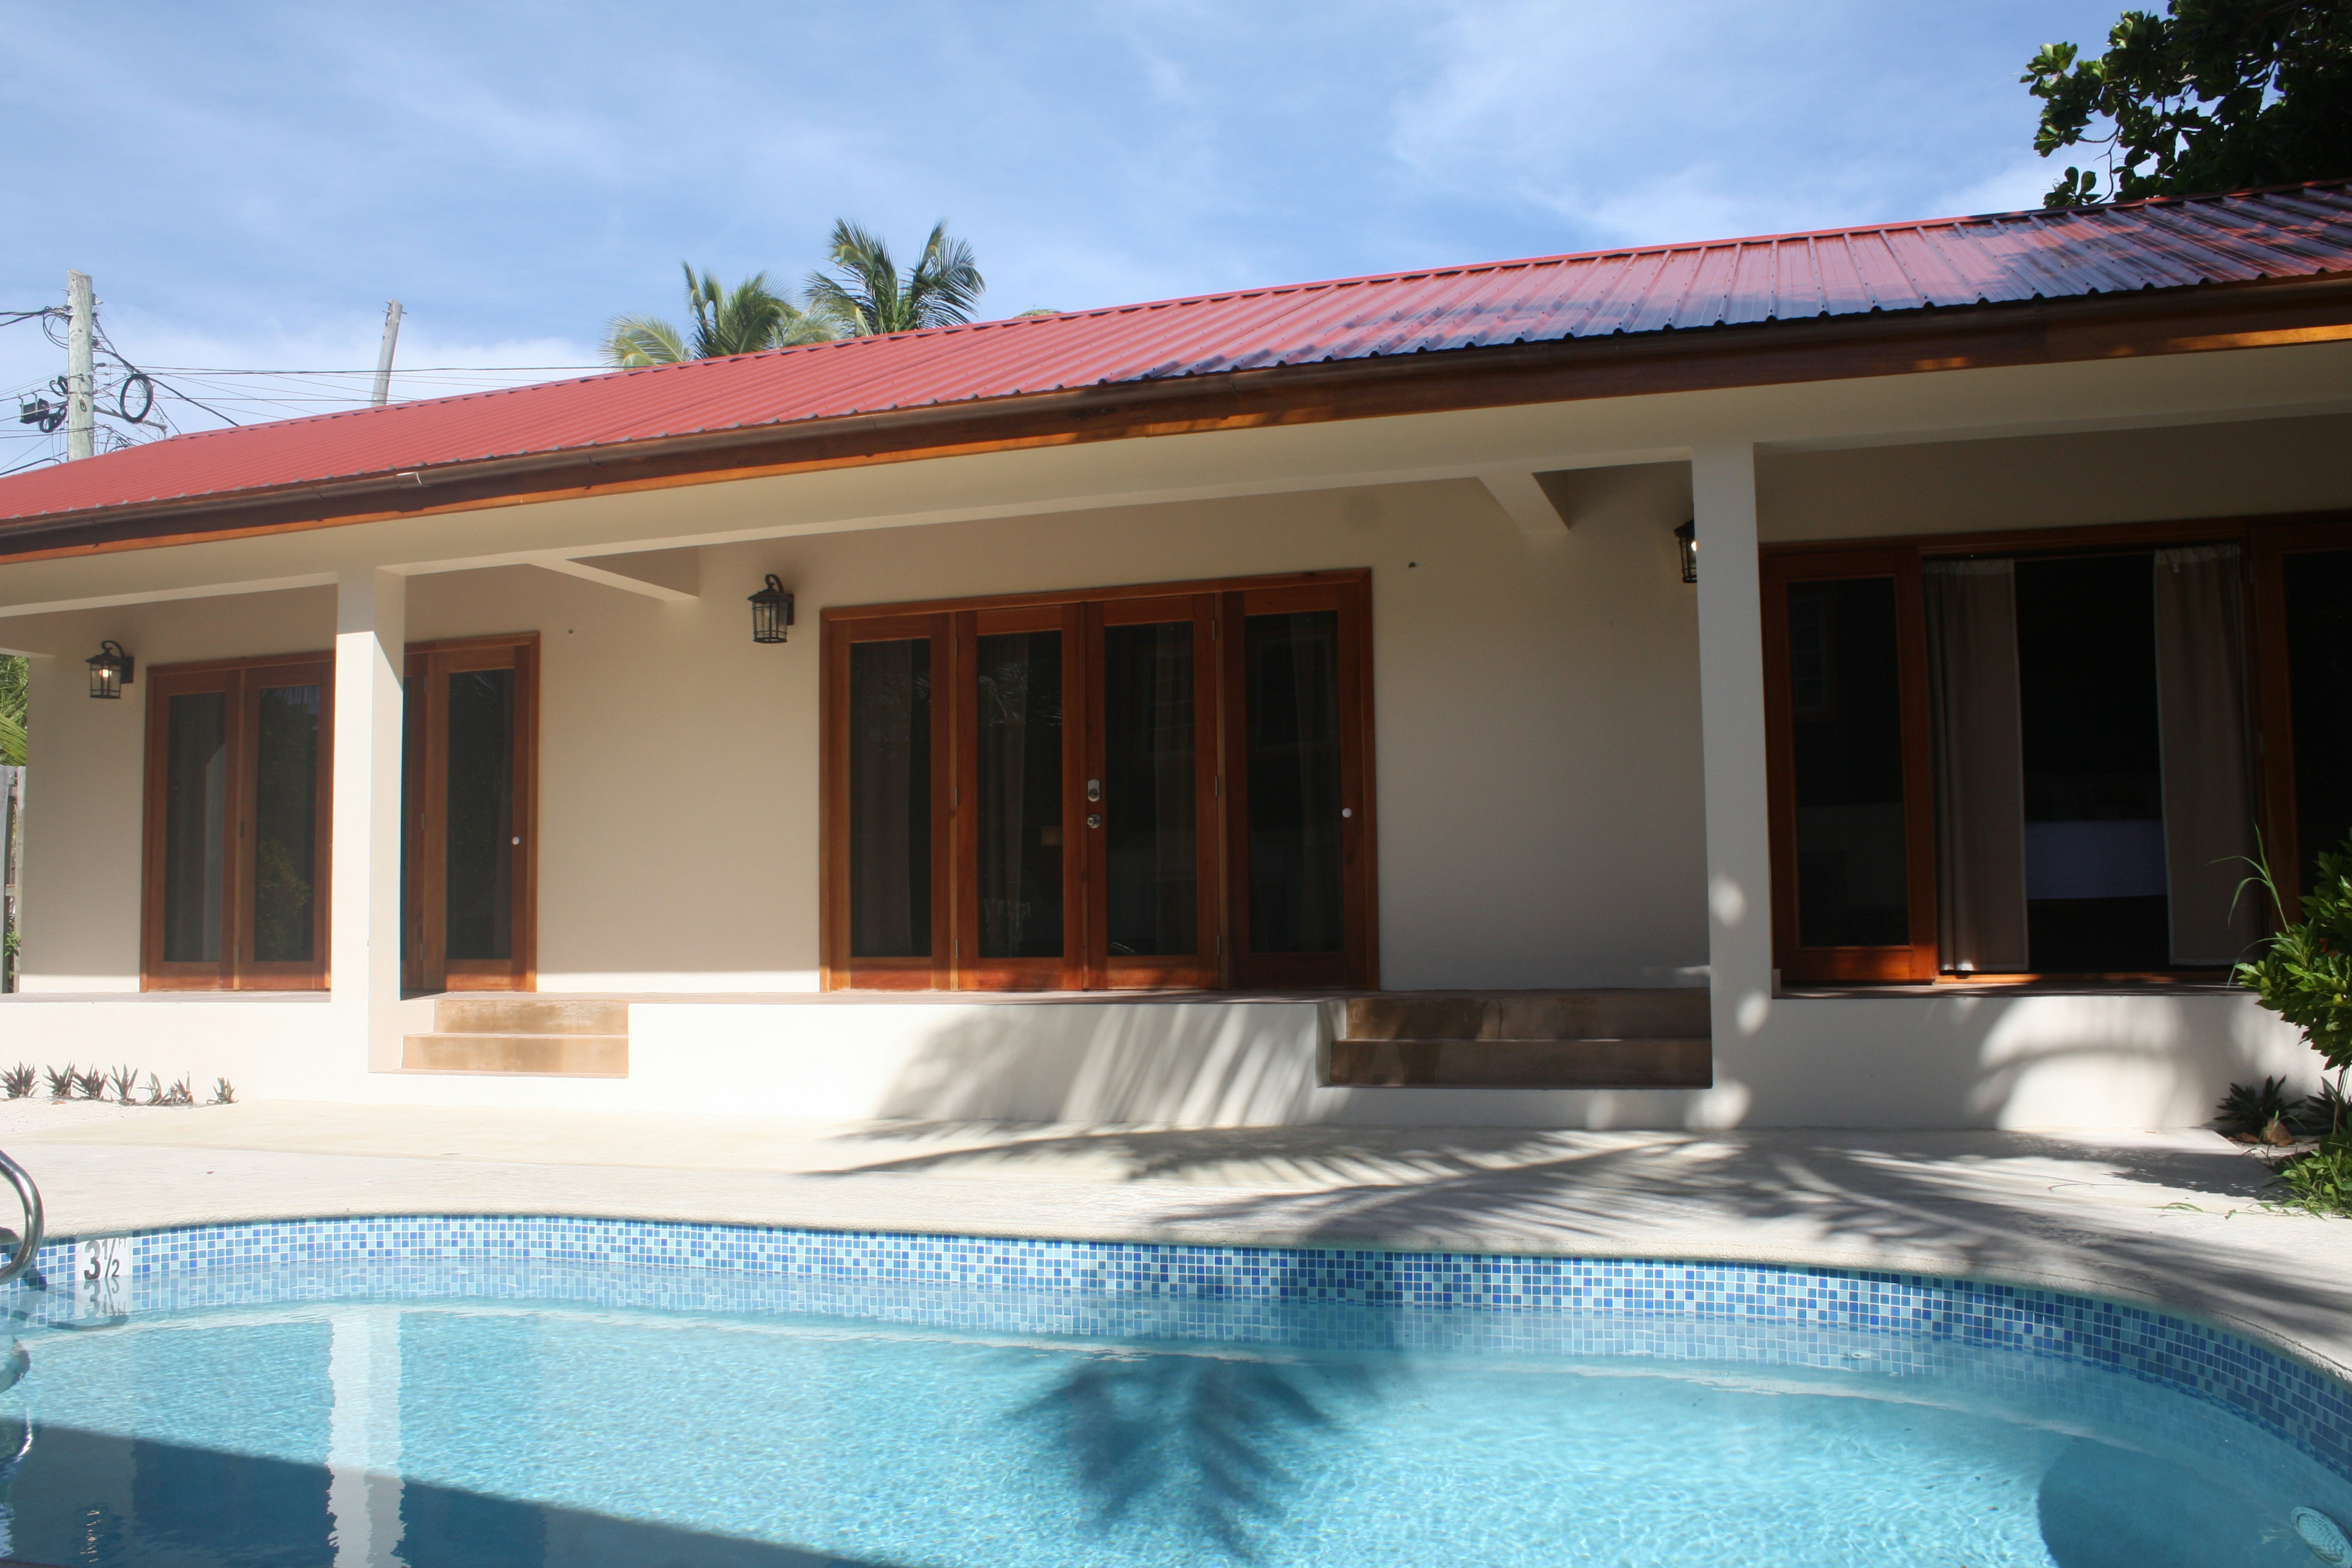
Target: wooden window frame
(1215, 606)
(1914, 960)
(423, 863)
(240, 682)
(2266, 540)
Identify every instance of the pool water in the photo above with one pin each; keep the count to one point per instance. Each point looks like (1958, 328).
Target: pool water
(310, 1420)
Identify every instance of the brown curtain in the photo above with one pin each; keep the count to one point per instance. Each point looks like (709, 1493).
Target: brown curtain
(1980, 765)
(2208, 762)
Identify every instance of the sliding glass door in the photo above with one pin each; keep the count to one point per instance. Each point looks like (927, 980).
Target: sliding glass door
(1131, 790)
(237, 828)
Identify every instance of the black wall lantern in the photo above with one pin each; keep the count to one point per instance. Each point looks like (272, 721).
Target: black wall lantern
(1686, 545)
(772, 612)
(109, 670)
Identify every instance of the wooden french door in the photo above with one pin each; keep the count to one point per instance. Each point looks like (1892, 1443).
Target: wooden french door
(469, 839)
(1127, 789)
(238, 827)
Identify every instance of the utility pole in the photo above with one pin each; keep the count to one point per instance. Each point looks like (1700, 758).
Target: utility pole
(383, 355)
(81, 375)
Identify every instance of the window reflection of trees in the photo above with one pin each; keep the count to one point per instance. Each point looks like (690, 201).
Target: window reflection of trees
(1212, 1441)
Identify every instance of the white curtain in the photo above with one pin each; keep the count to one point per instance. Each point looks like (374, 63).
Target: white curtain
(2207, 760)
(1980, 765)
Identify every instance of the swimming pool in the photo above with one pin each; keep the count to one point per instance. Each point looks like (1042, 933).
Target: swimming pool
(428, 1391)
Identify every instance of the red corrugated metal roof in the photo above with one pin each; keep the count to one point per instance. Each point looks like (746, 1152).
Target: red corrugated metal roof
(2012, 257)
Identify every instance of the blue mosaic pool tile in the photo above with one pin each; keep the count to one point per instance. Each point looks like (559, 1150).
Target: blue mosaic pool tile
(1468, 1301)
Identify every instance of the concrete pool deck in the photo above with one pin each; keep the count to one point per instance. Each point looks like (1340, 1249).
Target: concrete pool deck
(2173, 1218)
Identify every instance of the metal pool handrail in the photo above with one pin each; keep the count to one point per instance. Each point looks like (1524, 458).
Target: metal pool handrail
(28, 1245)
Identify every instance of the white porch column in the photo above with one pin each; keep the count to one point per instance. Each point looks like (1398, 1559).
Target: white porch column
(371, 638)
(1731, 725)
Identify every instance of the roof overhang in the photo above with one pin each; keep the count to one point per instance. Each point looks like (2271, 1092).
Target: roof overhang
(2203, 319)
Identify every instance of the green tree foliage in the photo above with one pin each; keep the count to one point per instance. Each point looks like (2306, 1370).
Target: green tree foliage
(866, 295)
(2214, 95)
(743, 320)
(16, 680)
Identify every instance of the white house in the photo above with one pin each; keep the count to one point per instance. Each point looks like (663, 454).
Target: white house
(1274, 707)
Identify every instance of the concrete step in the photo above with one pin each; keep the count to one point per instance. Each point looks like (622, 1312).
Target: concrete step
(554, 1056)
(1522, 1063)
(505, 1013)
(1660, 1013)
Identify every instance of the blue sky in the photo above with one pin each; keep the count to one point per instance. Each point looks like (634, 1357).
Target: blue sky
(249, 183)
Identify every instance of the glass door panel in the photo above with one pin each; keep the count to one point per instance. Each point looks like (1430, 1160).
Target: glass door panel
(1848, 736)
(468, 843)
(1019, 842)
(288, 925)
(1149, 792)
(195, 827)
(1291, 671)
(2318, 603)
(1149, 806)
(890, 799)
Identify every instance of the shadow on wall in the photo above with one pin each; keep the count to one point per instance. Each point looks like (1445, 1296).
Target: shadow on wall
(2042, 1061)
(1201, 1064)
(2039, 1061)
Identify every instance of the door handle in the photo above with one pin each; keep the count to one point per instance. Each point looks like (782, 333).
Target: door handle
(1094, 789)
(1093, 819)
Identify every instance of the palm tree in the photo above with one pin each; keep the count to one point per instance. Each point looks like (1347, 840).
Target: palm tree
(864, 295)
(744, 319)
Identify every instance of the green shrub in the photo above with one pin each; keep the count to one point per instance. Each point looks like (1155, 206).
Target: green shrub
(2321, 1179)
(2304, 975)
(2264, 1114)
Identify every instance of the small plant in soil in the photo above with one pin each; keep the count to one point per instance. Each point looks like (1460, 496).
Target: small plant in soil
(180, 1094)
(223, 1094)
(62, 1081)
(125, 1081)
(90, 1085)
(18, 1080)
(2321, 1178)
(155, 1091)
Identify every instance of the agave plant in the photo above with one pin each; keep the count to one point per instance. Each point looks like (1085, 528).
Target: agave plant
(61, 1081)
(18, 1080)
(223, 1094)
(125, 1081)
(90, 1085)
(180, 1094)
(2264, 1115)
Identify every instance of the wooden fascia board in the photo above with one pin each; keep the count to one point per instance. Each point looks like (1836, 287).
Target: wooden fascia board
(2204, 320)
